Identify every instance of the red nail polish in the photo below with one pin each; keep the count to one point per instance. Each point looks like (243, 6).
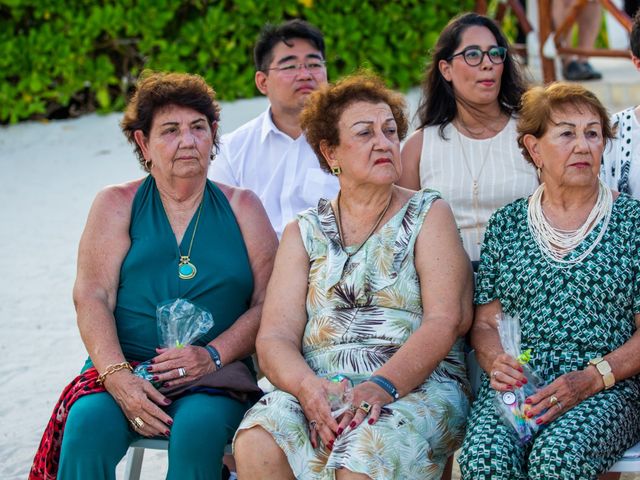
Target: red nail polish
(525, 381)
(528, 401)
(340, 430)
(509, 387)
(520, 369)
(152, 361)
(167, 433)
(170, 422)
(352, 424)
(539, 421)
(518, 384)
(167, 401)
(149, 369)
(154, 378)
(370, 421)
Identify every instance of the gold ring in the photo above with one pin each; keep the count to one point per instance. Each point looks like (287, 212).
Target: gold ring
(365, 407)
(494, 373)
(182, 372)
(553, 400)
(137, 422)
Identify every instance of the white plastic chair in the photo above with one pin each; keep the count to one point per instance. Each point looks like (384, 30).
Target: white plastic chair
(630, 461)
(135, 455)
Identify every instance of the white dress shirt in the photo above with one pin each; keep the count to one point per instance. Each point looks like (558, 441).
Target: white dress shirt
(283, 172)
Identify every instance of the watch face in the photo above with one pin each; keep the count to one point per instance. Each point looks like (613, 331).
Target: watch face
(509, 398)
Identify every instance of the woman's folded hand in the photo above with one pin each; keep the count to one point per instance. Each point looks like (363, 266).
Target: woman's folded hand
(139, 400)
(563, 393)
(506, 373)
(368, 400)
(177, 366)
(313, 396)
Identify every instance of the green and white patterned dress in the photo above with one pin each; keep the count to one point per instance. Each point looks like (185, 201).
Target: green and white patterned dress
(568, 316)
(360, 312)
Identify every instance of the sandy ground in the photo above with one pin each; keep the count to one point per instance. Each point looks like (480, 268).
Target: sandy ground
(51, 173)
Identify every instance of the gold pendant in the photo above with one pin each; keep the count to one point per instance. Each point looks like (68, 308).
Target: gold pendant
(186, 269)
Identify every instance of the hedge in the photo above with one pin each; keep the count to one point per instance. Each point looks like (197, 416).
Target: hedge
(63, 58)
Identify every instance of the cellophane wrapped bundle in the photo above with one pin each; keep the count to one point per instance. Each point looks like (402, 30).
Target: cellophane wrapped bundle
(511, 405)
(180, 323)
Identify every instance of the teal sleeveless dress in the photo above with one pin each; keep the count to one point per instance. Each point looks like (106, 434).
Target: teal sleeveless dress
(97, 434)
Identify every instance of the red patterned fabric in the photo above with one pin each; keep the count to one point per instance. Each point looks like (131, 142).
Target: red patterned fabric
(45, 463)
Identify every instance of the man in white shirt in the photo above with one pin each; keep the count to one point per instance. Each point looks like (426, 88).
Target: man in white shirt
(269, 154)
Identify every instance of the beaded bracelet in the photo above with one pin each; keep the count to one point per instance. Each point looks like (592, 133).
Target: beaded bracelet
(116, 367)
(385, 384)
(215, 356)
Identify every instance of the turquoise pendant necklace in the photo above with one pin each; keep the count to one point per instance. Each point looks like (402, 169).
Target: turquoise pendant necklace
(186, 269)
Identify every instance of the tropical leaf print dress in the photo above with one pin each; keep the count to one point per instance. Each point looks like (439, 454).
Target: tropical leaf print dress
(361, 310)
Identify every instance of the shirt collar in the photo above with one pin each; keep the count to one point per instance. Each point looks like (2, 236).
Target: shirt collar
(268, 127)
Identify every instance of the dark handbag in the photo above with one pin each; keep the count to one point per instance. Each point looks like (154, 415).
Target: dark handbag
(234, 380)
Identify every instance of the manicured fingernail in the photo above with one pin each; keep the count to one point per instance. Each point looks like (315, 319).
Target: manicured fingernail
(330, 446)
(352, 424)
(168, 402)
(370, 421)
(528, 401)
(340, 430)
(170, 422)
(149, 368)
(167, 384)
(155, 378)
(509, 387)
(518, 384)
(539, 421)
(525, 381)
(529, 414)
(167, 433)
(152, 361)
(520, 369)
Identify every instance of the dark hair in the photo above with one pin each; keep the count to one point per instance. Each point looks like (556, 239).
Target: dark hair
(155, 90)
(539, 104)
(438, 103)
(271, 35)
(634, 37)
(322, 112)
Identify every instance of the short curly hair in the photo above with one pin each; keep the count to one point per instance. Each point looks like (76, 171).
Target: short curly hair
(539, 103)
(325, 106)
(156, 90)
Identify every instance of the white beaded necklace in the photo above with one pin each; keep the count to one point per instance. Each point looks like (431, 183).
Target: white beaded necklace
(555, 243)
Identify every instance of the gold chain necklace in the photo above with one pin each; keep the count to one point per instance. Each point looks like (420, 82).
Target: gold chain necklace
(475, 192)
(380, 217)
(186, 269)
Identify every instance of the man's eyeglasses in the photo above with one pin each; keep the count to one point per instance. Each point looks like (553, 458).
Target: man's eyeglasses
(473, 56)
(313, 67)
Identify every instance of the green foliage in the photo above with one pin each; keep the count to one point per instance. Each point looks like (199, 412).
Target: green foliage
(61, 59)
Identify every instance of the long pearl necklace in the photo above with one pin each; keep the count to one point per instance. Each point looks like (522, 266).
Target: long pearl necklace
(373, 229)
(475, 192)
(555, 243)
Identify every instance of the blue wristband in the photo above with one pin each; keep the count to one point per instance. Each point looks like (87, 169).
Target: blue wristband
(386, 385)
(215, 356)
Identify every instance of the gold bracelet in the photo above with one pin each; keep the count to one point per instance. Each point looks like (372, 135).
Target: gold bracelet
(113, 369)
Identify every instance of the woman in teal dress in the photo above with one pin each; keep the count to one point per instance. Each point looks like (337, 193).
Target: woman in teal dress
(173, 234)
(566, 262)
(373, 286)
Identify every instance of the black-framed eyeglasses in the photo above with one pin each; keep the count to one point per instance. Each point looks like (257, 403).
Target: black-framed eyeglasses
(312, 66)
(473, 56)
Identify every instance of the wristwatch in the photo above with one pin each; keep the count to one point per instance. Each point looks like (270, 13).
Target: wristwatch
(604, 369)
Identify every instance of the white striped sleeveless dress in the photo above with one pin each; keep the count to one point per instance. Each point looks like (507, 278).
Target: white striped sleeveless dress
(505, 176)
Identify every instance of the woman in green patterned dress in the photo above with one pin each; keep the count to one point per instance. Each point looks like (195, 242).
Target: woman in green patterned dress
(566, 262)
(373, 285)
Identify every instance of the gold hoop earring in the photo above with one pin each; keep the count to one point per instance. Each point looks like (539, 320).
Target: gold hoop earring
(336, 170)
(148, 164)
(539, 171)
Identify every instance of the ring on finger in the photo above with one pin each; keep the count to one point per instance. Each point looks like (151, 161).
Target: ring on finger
(353, 409)
(313, 425)
(365, 407)
(553, 400)
(494, 374)
(137, 422)
(182, 372)
(559, 405)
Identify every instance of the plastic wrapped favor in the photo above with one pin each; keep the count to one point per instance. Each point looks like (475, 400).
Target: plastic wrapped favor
(180, 323)
(511, 405)
(340, 402)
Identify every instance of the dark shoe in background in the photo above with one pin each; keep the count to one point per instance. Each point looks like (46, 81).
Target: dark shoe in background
(577, 71)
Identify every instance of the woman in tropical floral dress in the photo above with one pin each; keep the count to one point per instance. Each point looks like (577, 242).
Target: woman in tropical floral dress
(375, 286)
